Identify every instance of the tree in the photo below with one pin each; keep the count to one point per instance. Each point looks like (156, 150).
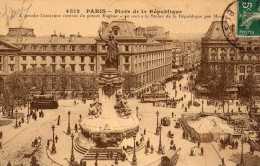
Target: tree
(248, 89)
(218, 80)
(129, 82)
(39, 78)
(16, 93)
(225, 80)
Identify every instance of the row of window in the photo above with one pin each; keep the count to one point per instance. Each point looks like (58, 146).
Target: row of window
(53, 59)
(58, 47)
(53, 67)
(148, 65)
(242, 78)
(242, 58)
(43, 58)
(242, 69)
(147, 57)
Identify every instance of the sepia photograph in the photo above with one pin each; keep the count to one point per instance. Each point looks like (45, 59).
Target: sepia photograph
(130, 83)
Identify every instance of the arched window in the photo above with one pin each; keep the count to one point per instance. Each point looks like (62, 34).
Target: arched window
(115, 30)
(213, 53)
(223, 53)
(232, 54)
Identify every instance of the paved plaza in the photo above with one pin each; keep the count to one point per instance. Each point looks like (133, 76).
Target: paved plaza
(13, 147)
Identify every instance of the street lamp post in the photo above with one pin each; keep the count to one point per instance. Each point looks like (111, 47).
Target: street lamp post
(202, 102)
(160, 141)
(228, 106)
(28, 107)
(157, 127)
(16, 124)
(69, 130)
(242, 149)
(134, 160)
(72, 158)
(242, 157)
(137, 111)
(53, 148)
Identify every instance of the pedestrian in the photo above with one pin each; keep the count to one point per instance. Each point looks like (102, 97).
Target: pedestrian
(1, 145)
(19, 123)
(80, 117)
(111, 155)
(144, 131)
(48, 143)
(223, 161)
(172, 142)
(96, 164)
(58, 122)
(174, 147)
(76, 128)
(183, 135)
(191, 152)
(233, 144)
(1, 134)
(56, 138)
(198, 144)
(22, 119)
(146, 150)
(152, 148)
(201, 151)
(185, 109)
(9, 163)
(148, 143)
(116, 161)
(236, 145)
(172, 114)
(108, 154)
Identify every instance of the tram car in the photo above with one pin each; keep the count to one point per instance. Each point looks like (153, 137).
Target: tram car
(149, 98)
(44, 102)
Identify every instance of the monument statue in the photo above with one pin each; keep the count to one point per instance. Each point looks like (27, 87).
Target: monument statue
(112, 51)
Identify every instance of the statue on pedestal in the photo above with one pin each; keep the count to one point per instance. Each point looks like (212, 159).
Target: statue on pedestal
(112, 51)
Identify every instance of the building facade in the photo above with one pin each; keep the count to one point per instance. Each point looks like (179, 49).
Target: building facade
(144, 53)
(216, 50)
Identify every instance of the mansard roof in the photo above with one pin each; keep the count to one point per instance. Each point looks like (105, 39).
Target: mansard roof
(215, 31)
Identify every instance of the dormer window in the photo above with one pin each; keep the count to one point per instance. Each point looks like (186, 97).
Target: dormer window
(115, 30)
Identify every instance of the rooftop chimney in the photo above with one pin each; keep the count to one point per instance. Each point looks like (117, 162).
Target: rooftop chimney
(53, 36)
(78, 35)
(104, 25)
(72, 37)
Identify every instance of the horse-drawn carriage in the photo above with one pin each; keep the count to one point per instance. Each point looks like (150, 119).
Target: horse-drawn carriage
(166, 121)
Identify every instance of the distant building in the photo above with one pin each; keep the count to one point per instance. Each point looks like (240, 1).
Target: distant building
(186, 55)
(216, 50)
(144, 53)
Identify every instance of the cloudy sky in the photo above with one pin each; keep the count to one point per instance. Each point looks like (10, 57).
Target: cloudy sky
(12, 14)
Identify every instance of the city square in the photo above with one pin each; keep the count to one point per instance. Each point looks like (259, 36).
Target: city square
(147, 113)
(123, 91)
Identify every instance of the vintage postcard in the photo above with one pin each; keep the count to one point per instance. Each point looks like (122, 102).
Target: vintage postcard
(130, 82)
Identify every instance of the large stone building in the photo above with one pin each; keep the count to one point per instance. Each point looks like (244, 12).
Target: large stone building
(144, 53)
(216, 50)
